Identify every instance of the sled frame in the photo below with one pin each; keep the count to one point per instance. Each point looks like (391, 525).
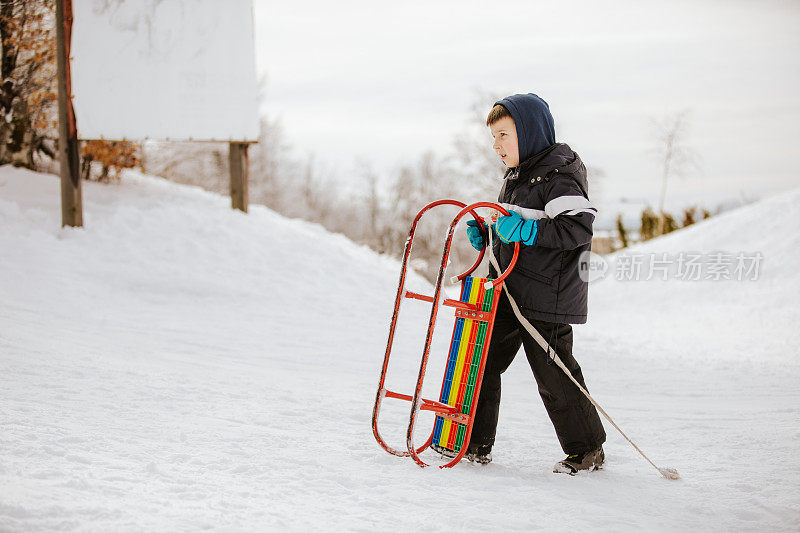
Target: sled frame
(418, 403)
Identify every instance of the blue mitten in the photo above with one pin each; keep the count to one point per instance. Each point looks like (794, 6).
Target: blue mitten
(514, 228)
(476, 232)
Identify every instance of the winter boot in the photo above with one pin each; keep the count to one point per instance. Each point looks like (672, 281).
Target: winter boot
(581, 461)
(479, 454)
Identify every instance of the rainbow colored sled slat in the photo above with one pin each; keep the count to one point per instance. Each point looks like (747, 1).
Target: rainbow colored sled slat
(463, 363)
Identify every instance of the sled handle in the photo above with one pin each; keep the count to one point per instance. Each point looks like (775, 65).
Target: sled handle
(502, 210)
(464, 209)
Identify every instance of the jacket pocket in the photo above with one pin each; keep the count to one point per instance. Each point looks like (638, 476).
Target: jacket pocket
(541, 278)
(534, 275)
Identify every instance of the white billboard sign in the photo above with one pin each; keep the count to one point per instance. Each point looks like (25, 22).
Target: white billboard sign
(164, 69)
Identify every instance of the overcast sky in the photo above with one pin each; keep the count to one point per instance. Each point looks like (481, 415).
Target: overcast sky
(385, 82)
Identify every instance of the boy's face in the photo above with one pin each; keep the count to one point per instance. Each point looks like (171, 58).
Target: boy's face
(505, 144)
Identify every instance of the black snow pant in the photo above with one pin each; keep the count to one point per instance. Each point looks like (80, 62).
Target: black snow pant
(575, 419)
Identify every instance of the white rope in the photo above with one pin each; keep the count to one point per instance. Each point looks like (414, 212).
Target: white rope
(669, 473)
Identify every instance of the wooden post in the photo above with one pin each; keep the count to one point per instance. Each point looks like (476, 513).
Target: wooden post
(239, 166)
(71, 195)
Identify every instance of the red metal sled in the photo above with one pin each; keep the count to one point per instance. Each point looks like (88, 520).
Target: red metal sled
(477, 307)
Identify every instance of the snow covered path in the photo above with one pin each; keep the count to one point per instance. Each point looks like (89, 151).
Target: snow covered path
(177, 366)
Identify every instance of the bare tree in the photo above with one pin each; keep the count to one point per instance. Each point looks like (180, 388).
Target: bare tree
(203, 164)
(477, 166)
(673, 153)
(372, 210)
(318, 199)
(272, 164)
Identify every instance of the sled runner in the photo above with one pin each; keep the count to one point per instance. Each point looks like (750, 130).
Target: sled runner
(475, 312)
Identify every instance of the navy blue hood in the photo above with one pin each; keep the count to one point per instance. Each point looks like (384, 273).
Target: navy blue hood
(535, 128)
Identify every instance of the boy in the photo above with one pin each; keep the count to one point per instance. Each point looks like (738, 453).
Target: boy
(546, 192)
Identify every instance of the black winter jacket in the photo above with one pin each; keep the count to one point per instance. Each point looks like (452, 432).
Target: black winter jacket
(551, 187)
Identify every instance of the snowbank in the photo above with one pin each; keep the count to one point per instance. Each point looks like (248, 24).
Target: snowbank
(177, 365)
(725, 287)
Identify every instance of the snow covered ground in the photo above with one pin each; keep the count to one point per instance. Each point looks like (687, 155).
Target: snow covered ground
(176, 365)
